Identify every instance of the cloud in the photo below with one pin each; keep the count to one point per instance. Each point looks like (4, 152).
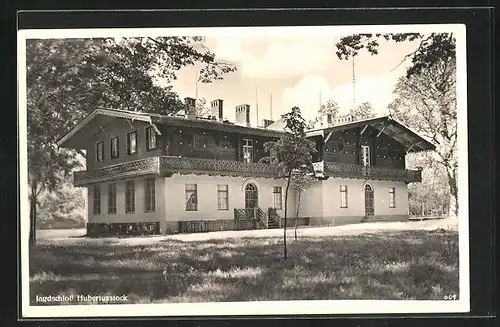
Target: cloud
(306, 95)
(280, 59)
(229, 48)
(376, 90)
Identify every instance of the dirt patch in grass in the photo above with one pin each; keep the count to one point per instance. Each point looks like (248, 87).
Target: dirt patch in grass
(386, 265)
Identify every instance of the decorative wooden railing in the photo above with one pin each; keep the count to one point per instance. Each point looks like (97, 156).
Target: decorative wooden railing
(247, 213)
(346, 170)
(182, 165)
(256, 214)
(262, 217)
(274, 216)
(140, 167)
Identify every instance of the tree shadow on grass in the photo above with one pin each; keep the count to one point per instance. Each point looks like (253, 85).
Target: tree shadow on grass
(347, 267)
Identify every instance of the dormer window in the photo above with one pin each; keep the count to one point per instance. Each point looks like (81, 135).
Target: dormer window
(132, 143)
(150, 138)
(99, 151)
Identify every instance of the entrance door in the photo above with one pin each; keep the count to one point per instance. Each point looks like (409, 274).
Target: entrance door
(251, 200)
(369, 208)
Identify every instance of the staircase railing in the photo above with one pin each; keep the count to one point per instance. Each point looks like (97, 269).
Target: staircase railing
(262, 217)
(274, 216)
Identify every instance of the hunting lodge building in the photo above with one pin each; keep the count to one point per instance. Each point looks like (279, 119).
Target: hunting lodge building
(152, 174)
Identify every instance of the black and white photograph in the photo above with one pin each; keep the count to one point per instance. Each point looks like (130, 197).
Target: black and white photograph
(254, 170)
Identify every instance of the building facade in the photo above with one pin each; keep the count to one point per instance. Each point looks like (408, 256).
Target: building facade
(151, 174)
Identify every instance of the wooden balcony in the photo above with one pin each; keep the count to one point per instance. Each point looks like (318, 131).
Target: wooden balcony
(215, 167)
(345, 170)
(146, 166)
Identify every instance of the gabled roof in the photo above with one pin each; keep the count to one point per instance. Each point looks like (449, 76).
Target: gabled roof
(385, 124)
(152, 118)
(391, 127)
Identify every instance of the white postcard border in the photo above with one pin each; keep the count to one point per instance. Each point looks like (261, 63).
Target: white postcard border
(355, 307)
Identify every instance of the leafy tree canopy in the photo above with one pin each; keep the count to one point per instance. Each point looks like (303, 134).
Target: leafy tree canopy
(362, 111)
(432, 48)
(330, 108)
(292, 153)
(68, 78)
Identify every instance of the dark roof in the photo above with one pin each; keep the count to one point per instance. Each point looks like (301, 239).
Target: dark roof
(390, 126)
(152, 118)
(387, 125)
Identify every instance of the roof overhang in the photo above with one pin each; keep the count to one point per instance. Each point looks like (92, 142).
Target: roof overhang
(220, 126)
(98, 118)
(411, 140)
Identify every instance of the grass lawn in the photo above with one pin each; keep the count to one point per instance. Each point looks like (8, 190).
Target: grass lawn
(378, 264)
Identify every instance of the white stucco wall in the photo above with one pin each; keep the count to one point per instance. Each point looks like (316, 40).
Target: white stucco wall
(356, 197)
(121, 217)
(311, 201)
(323, 198)
(207, 196)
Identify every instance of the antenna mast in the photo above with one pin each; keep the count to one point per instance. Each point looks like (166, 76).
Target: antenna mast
(257, 105)
(353, 85)
(271, 105)
(196, 88)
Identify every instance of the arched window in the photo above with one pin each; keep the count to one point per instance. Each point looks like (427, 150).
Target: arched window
(251, 196)
(368, 188)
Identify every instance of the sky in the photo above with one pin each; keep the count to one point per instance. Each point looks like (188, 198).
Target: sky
(276, 73)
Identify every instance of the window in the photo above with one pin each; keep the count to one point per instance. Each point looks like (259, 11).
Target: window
(392, 197)
(114, 147)
(99, 151)
(247, 150)
(112, 198)
(251, 196)
(97, 200)
(222, 197)
(365, 155)
(191, 197)
(132, 143)
(277, 197)
(150, 138)
(343, 196)
(129, 197)
(149, 195)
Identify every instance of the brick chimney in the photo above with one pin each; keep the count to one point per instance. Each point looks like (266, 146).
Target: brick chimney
(190, 108)
(242, 115)
(217, 112)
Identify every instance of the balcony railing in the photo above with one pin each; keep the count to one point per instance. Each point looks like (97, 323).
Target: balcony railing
(140, 167)
(167, 165)
(183, 165)
(346, 170)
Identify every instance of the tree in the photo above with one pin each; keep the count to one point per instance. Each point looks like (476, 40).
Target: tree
(432, 49)
(432, 193)
(68, 78)
(330, 109)
(292, 152)
(302, 179)
(363, 111)
(426, 96)
(202, 109)
(427, 103)
(63, 208)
